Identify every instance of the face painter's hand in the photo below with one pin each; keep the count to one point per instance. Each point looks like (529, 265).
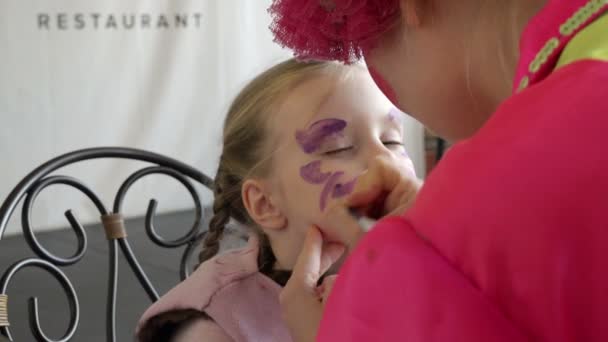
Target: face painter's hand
(338, 225)
(301, 300)
(324, 290)
(384, 189)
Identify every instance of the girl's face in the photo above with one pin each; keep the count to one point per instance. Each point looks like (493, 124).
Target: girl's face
(326, 133)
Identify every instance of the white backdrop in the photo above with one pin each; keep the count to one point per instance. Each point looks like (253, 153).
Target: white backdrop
(150, 74)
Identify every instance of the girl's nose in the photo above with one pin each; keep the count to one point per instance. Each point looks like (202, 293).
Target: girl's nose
(377, 149)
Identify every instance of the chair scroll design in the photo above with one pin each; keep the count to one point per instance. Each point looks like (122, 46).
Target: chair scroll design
(41, 178)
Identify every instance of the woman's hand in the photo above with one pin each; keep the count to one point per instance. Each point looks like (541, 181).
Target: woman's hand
(301, 300)
(384, 189)
(325, 288)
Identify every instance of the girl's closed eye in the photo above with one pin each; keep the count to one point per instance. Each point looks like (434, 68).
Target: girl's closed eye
(393, 144)
(338, 151)
(337, 147)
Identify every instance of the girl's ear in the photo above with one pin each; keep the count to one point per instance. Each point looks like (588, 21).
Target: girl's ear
(260, 205)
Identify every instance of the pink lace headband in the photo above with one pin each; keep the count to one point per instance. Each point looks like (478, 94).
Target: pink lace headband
(338, 30)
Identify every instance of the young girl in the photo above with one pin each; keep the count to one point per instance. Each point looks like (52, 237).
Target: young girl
(295, 140)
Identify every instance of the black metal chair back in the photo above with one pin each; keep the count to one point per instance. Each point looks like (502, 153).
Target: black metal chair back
(113, 223)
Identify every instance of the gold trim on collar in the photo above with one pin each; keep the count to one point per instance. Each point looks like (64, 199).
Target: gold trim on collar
(570, 26)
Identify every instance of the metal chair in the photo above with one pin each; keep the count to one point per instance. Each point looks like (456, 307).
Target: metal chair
(43, 176)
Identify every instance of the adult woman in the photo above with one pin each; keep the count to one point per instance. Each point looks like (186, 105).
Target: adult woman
(505, 240)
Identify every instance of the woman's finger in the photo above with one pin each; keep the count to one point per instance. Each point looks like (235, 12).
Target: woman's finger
(326, 287)
(315, 258)
(384, 188)
(338, 225)
(402, 197)
(300, 302)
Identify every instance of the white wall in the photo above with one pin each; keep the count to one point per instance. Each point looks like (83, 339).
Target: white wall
(414, 143)
(66, 84)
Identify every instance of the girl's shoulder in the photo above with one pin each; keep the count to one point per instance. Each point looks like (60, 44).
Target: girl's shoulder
(200, 329)
(229, 289)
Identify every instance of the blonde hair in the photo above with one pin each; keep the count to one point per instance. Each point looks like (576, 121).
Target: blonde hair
(245, 151)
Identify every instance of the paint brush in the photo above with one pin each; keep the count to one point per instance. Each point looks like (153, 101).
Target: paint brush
(363, 221)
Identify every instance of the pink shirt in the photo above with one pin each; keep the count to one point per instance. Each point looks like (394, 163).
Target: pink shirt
(242, 302)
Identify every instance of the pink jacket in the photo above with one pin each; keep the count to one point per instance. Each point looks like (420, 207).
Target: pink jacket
(507, 239)
(242, 303)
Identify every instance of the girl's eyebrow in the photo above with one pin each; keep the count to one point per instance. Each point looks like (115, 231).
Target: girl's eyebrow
(312, 138)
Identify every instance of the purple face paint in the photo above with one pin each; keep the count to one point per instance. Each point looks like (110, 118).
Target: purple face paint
(329, 187)
(383, 85)
(341, 190)
(311, 173)
(311, 139)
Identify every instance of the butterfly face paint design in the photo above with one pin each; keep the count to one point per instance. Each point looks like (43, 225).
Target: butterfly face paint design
(310, 141)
